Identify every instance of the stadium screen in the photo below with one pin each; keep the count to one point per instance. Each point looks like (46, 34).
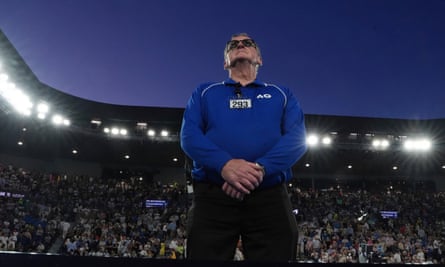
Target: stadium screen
(386, 214)
(155, 203)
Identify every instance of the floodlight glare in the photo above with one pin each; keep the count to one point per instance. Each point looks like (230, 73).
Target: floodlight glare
(312, 140)
(106, 130)
(151, 133)
(417, 145)
(57, 119)
(41, 116)
(19, 100)
(164, 133)
(42, 108)
(3, 77)
(114, 131)
(326, 140)
(123, 131)
(380, 143)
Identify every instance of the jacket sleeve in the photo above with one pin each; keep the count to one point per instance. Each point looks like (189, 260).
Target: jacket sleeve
(193, 140)
(292, 145)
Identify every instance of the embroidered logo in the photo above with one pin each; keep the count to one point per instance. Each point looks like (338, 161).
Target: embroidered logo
(264, 96)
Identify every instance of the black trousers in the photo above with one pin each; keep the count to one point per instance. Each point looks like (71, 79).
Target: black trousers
(264, 221)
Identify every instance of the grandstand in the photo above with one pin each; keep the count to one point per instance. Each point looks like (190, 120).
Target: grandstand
(46, 130)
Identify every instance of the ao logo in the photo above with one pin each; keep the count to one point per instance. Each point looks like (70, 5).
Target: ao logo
(262, 96)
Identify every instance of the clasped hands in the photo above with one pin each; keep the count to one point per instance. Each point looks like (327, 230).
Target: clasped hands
(241, 177)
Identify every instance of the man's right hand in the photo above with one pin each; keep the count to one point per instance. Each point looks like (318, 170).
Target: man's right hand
(242, 175)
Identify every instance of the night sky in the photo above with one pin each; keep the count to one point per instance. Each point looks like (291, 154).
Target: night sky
(376, 58)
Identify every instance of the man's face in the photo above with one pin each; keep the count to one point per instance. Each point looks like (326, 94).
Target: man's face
(241, 48)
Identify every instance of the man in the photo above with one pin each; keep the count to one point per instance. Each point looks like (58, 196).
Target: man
(243, 136)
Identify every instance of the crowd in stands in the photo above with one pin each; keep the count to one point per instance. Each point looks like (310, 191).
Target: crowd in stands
(92, 216)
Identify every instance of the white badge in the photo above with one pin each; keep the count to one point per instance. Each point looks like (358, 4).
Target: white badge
(240, 103)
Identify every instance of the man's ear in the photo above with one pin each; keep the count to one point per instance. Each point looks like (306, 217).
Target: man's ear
(260, 61)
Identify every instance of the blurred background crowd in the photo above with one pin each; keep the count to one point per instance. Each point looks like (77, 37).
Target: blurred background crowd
(92, 216)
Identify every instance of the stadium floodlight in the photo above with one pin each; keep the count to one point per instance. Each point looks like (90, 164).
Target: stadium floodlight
(42, 110)
(151, 132)
(164, 133)
(312, 140)
(417, 145)
(19, 100)
(123, 131)
(326, 140)
(114, 131)
(380, 143)
(57, 119)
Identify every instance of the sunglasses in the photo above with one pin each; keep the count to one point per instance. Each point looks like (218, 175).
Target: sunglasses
(232, 44)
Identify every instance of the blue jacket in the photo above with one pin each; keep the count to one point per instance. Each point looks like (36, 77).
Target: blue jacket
(217, 128)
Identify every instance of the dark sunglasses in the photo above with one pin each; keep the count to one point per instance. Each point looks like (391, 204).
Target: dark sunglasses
(232, 44)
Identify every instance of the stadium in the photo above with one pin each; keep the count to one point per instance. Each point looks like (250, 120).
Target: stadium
(389, 173)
